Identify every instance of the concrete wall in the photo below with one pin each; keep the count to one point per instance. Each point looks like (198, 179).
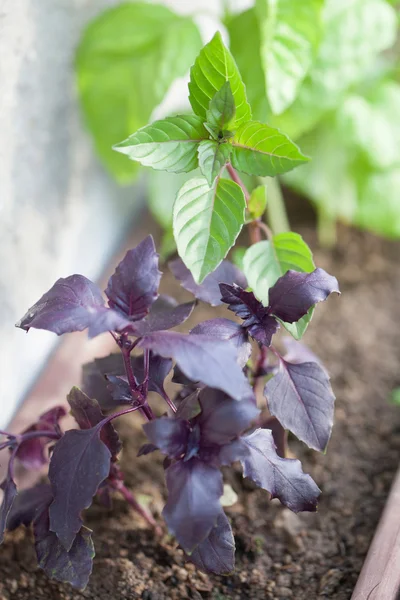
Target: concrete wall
(59, 211)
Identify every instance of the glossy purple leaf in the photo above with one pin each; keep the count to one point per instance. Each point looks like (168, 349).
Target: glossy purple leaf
(32, 452)
(221, 419)
(208, 290)
(225, 329)
(134, 286)
(28, 504)
(79, 463)
(72, 304)
(193, 505)
(9, 494)
(165, 313)
(73, 565)
(119, 389)
(295, 293)
(216, 554)
(283, 478)
(202, 358)
(256, 318)
(297, 352)
(87, 413)
(301, 398)
(169, 435)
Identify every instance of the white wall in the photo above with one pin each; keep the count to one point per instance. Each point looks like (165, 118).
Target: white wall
(59, 211)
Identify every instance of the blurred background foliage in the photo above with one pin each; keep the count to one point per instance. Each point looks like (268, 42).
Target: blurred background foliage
(325, 72)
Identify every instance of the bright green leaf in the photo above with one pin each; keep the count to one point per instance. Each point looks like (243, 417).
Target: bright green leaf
(126, 61)
(238, 256)
(355, 31)
(245, 43)
(262, 150)
(207, 222)
(162, 188)
(213, 67)
(266, 261)
(168, 145)
(355, 172)
(222, 109)
(290, 33)
(257, 201)
(213, 156)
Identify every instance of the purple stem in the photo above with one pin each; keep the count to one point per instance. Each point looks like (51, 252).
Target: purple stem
(129, 497)
(146, 361)
(169, 401)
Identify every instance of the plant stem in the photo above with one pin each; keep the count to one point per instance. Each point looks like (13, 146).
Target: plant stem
(326, 228)
(129, 497)
(254, 226)
(276, 209)
(136, 393)
(169, 401)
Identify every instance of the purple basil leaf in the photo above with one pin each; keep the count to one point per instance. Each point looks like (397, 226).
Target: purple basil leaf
(278, 433)
(28, 504)
(225, 329)
(193, 505)
(189, 408)
(119, 389)
(221, 419)
(79, 463)
(256, 318)
(133, 287)
(295, 293)
(208, 290)
(283, 478)
(87, 413)
(170, 435)
(72, 304)
(297, 352)
(31, 453)
(94, 385)
(9, 494)
(202, 358)
(146, 449)
(216, 554)
(72, 566)
(301, 398)
(165, 313)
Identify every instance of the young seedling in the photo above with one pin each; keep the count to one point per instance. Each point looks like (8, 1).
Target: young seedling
(214, 420)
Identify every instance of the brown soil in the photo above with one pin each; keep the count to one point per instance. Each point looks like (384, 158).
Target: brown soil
(279, 554)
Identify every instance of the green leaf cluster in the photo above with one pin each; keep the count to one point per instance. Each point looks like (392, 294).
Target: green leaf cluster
(209, 211)
(315, 69)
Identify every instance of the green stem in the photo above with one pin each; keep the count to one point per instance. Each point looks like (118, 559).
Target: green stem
(277, 215)
(326, 228)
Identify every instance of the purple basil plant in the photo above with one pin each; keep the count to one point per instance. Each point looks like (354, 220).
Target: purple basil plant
(213, 423)
(226, 367)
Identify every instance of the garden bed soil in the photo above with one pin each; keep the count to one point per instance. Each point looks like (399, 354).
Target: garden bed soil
(279, 555)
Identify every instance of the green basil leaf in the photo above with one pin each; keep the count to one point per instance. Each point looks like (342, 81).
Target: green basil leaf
(168, 145)
(126, 61)
(262, 150)
(290, 33)
(213, 156)
(221, 113)
(355, 32)
(207, 222)
(213, 67)
(266, 261)
(257, 201)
